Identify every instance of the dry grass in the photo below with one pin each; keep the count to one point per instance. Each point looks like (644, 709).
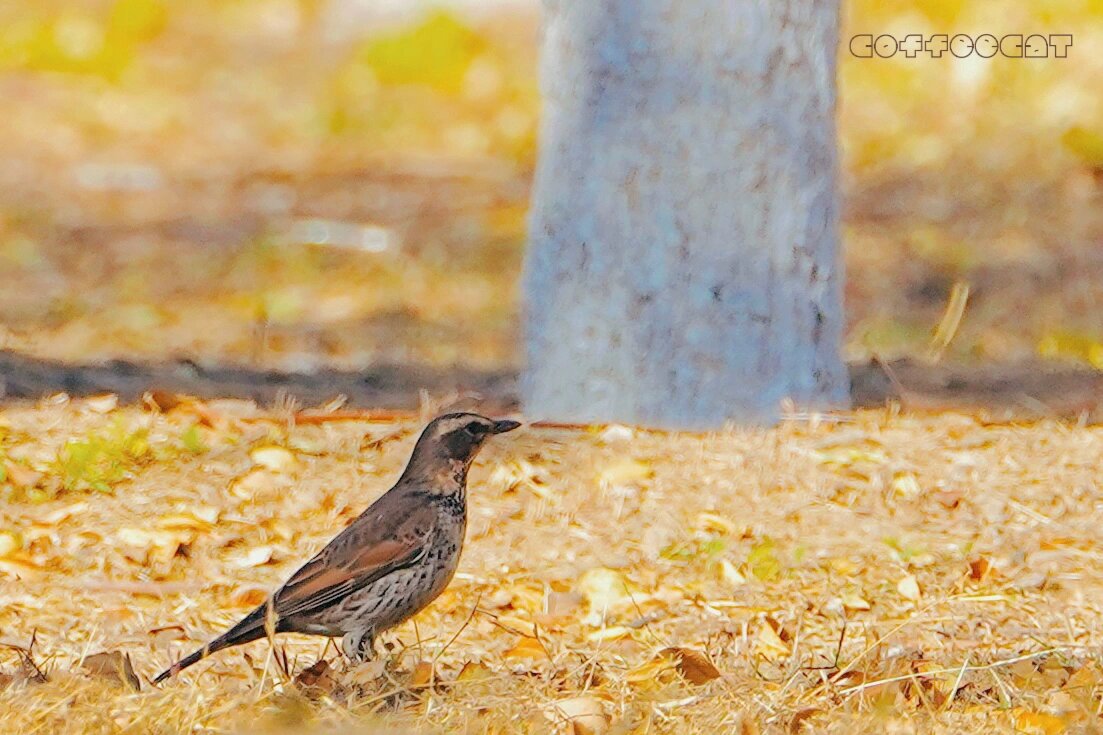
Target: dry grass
(762, 548)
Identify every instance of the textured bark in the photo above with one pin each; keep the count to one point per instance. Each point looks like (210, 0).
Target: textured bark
(682, 266)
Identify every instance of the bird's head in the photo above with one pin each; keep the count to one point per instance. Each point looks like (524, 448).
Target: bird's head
(450, 442)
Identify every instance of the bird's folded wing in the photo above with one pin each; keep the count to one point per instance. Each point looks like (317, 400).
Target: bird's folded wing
(342, 568)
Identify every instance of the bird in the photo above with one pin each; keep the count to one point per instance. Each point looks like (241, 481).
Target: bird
(388, 563)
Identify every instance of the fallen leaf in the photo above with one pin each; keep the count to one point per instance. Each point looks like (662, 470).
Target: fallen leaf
(250, 597)
(651, 671)
(252, 483)
(855, 603)
(474, 671)
(616, 433)
(611, 633)
(692, 664)
(318, 678)
(112, 665)
(581, 715)
(422, 675)
(715, 523)
(275, 459)
(949, 499)
(625, 472)
(769, 642)
(254, 557)
(20, 568)
(201, 519)
(103, 403)
(800, 720)
(20, 476)
(908, 587)
(730, 574)
(10, 542)
(906, 486)
(1038, 723)
(980, 569)
(526, 648)
(605, 590)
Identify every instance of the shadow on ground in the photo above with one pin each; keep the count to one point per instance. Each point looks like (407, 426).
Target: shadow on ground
(1005, 392)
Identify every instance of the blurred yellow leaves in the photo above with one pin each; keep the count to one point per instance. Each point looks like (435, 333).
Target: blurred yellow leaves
(1075, 347)
(436, 52)
(82, 41)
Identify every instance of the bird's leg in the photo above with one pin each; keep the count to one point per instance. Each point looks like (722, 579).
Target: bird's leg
(359, 645)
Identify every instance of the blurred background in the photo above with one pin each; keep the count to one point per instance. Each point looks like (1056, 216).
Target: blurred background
(306, 185)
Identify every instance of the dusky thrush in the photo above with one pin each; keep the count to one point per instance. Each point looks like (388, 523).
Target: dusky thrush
(389, 563)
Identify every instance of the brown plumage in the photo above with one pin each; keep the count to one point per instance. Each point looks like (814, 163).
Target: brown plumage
(389, 563)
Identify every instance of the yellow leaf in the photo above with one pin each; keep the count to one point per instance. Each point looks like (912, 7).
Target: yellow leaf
(650, 671)
(276, 459)
(605, 590)
(908, 587)
(526, 648)
(201, 520)
(19, 567)
(855, 602)
(611, 633)
(250, 484)
(769, 642)
(255, 557)
(104, 403)
(1038, 723)
(906, 486)
(625, 472)
(10, 542)
(730, 574)
(715, 523)
(474, 671)
(582, 715)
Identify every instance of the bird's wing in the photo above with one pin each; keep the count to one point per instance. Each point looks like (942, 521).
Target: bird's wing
(376, 544)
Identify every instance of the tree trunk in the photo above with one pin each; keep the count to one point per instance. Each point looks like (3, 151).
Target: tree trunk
(682, 267)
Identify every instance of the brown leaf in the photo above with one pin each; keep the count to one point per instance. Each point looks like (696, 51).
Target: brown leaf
(980, 569)
(800, 720)
(113, 666)
(318, 678)
(160, 401)
(692, 664)
(422, 675)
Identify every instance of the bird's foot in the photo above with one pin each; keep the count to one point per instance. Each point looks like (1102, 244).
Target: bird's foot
(359, 646)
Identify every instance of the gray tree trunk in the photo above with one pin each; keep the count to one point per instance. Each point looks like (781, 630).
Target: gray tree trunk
(682, 267)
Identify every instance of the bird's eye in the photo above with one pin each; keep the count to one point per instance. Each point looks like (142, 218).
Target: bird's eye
(475, 429)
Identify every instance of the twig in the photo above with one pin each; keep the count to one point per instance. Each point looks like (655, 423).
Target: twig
(939, 672)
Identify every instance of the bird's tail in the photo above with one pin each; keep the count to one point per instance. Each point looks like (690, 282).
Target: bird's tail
(249, 628)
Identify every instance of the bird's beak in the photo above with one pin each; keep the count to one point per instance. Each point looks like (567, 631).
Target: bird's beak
(501, 427)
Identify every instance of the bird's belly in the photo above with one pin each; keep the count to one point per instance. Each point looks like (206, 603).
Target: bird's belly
(401, 594)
